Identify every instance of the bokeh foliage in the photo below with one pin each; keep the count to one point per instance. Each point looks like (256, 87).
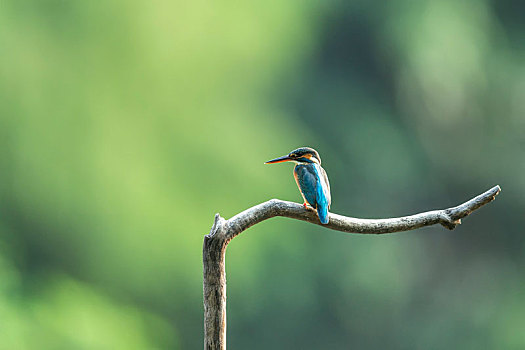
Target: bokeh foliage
(125, 125)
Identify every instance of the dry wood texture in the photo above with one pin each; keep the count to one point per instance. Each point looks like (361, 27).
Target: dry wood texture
(223, 231)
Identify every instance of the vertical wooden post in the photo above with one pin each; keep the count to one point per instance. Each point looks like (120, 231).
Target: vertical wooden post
(214, 289)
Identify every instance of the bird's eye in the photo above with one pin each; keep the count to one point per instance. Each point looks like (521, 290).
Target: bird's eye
(292, 155)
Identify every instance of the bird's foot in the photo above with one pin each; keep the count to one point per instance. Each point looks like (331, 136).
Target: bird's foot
(307, 206)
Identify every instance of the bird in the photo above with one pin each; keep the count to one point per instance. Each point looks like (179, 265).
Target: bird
(311, 179)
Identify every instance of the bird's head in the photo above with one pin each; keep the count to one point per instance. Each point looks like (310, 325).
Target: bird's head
(302, 155)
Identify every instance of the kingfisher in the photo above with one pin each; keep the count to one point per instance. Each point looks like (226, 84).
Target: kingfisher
(311, 179)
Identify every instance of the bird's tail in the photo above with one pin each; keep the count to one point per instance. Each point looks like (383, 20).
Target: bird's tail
(322, 212)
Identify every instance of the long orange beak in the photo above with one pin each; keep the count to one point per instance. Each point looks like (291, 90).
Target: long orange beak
(279, 160)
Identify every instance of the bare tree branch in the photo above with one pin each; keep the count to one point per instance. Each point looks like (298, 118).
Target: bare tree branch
(223, 231)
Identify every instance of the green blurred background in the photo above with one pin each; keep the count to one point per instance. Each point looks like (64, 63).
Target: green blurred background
(126, 125)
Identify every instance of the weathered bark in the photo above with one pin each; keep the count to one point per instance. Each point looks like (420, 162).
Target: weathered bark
(215, 287)
(223, 231)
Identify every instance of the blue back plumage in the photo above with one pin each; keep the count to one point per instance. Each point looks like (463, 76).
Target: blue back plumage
(314, 187)
(322, 205)
(322, 200)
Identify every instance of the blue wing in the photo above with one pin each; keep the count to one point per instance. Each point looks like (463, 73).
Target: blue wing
(306, 179)
(323, 194)
(314, 186)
